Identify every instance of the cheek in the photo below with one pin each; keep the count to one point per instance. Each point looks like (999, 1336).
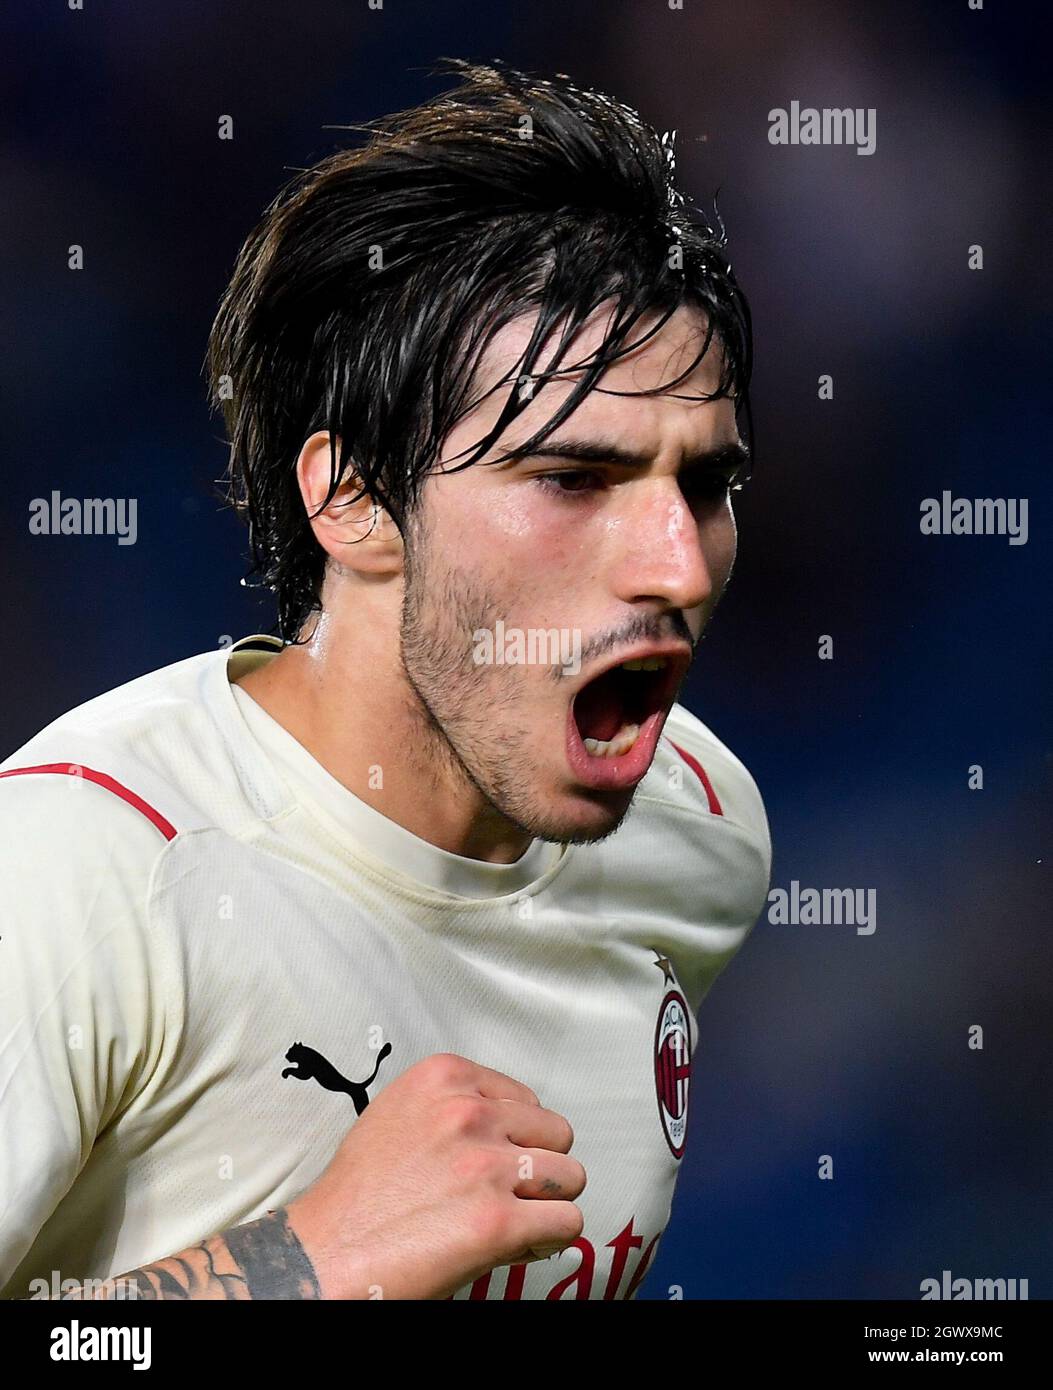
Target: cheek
(480, 523)
(512, 536)
(509, 516)
(538, 560)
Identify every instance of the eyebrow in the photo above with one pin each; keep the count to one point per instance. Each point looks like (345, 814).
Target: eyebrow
(724, 457)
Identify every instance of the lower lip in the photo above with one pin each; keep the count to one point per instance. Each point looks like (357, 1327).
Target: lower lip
(613, 774)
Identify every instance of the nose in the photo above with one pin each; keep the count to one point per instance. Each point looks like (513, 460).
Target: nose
(663, 555)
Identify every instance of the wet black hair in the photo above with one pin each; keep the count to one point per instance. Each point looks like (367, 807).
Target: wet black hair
(365, 298)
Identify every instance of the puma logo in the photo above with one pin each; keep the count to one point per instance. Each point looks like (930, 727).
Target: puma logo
(308, 1065)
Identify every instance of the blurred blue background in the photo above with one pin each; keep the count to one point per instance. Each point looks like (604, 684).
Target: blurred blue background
(816, 1040)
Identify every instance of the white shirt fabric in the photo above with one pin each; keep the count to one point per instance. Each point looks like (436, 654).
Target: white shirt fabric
(188, 897)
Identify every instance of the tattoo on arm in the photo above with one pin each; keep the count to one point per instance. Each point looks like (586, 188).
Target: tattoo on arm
(262, 1259)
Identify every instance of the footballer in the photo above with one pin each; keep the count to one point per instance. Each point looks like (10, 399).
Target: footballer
(362, 961)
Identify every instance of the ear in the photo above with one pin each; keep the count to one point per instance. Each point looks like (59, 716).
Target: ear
(359, 536)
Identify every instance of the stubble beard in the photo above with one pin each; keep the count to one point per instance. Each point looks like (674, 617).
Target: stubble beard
(468, 726)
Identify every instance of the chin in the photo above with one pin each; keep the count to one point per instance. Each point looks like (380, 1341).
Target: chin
(586, 822)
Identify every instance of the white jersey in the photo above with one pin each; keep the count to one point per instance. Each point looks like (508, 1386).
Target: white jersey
(213, 955)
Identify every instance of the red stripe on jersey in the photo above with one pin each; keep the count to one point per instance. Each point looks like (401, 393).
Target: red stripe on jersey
(101, 779)
(696, 766)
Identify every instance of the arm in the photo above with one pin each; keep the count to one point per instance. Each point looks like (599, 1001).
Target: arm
(79, 1029)
(262, 1259)
(82, 1004)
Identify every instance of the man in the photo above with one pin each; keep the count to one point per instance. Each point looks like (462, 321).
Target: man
(368, 961)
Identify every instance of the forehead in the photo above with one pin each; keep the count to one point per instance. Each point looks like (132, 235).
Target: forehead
(660, 360)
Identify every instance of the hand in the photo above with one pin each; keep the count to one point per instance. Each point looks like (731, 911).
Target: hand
(453, 1170)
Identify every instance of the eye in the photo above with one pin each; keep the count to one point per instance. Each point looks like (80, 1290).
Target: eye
(568, 482)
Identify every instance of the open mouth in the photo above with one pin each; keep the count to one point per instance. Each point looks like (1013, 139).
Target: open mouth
(611, 709)
(615, 719)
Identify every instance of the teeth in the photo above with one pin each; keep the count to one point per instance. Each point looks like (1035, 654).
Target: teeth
(645, 663)
(614, 747)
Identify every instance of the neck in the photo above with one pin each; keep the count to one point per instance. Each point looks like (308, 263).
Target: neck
(344, 696)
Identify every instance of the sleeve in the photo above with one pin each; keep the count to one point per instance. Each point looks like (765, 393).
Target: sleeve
(81, 999)
(720, 843)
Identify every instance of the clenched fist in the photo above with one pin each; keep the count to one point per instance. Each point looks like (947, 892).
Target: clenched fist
(454, 1170)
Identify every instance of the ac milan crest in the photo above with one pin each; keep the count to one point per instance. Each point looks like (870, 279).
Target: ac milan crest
(672, 1069)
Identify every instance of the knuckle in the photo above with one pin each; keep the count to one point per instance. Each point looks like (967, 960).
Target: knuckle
(493, 1226)
(475, 1166)
(444, 1068)
(463, 1115)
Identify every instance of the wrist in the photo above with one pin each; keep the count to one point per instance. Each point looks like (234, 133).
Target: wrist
(310, 1228)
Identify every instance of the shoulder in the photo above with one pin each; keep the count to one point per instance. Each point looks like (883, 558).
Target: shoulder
(89, 990)
(694, 769)
(87, 818)
(78, 947)
(168, 747)
(76, 858)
